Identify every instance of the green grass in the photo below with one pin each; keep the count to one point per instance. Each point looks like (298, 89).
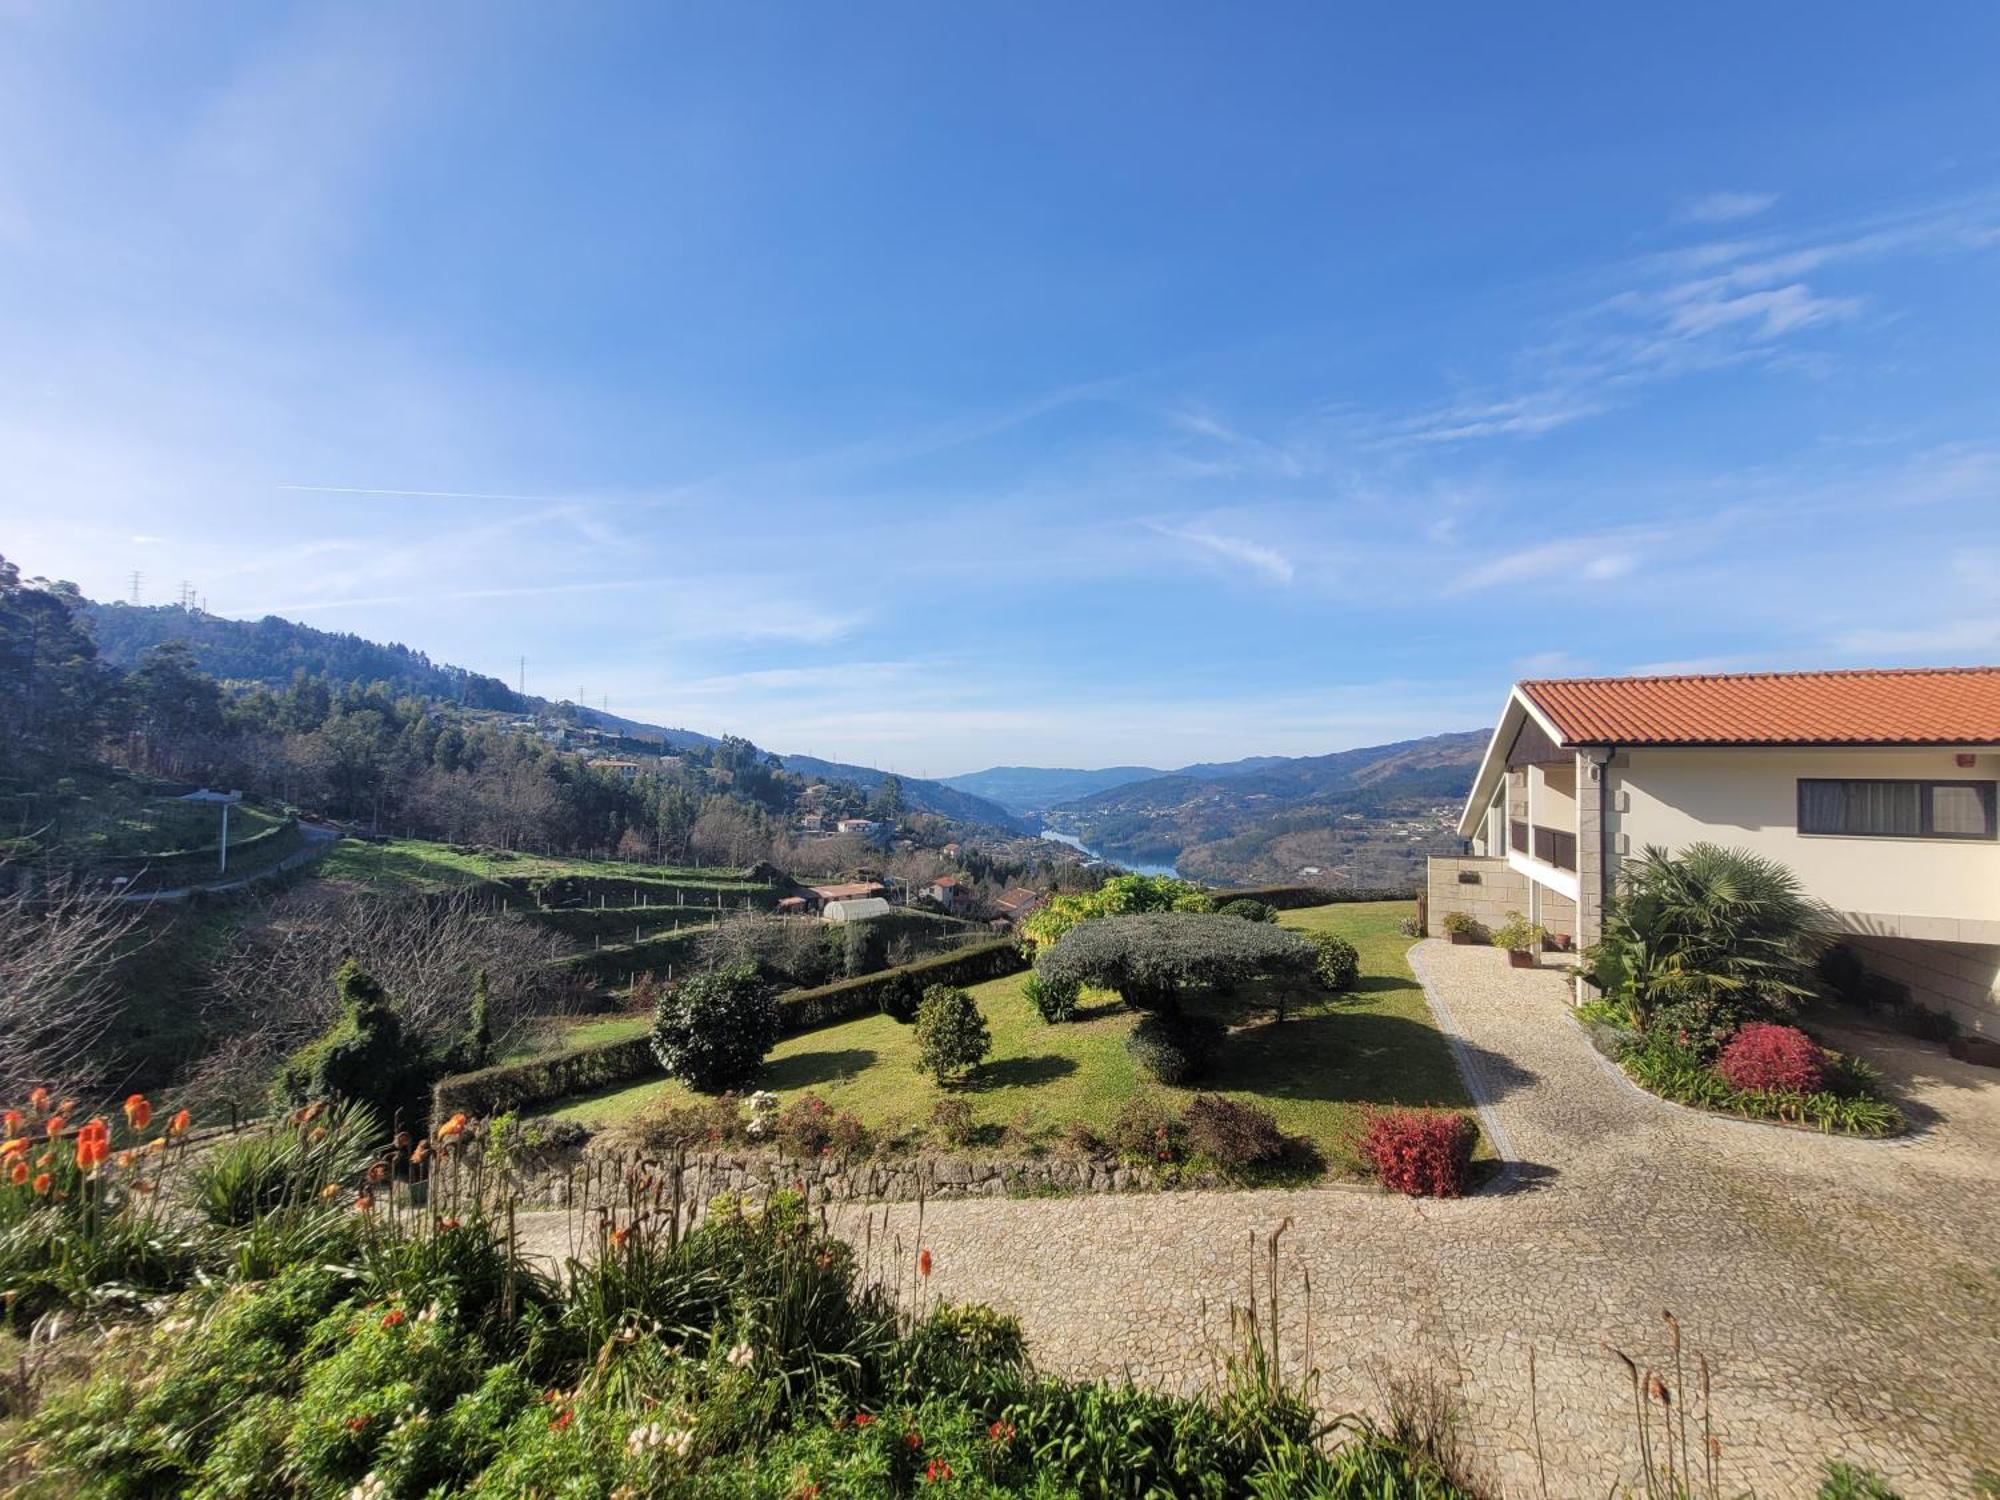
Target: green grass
(420, 865)
(1317, 1072)
(593, 1031)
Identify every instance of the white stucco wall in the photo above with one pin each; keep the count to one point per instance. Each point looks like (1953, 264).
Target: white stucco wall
(1749, 799)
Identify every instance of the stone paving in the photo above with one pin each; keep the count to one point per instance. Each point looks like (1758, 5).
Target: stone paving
(1845, 1292)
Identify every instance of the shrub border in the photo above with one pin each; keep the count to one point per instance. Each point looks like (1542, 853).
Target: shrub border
(844, 999)
(1290, 897)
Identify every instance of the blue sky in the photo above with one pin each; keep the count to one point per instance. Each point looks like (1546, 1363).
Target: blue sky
(941, 386)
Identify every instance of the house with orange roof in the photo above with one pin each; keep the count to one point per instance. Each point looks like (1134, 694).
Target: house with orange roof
(1876, 788)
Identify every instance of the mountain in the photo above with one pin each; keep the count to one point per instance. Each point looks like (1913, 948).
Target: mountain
(270, 650)
(1360, 817)
(1027, 790)
(939, 797)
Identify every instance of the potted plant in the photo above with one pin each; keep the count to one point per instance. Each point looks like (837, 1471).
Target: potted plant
(1520, 938)
(1461, 928)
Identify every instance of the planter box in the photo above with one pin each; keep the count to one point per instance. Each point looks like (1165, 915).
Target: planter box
(1462, 939)
(1519, 959)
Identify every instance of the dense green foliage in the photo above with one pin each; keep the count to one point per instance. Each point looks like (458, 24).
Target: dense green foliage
(712, 1030)
(1707, 939)
(952, 1038)
(366, 1056)
(1847, 1103)
(1149, 960)
(1054, 1000)
(743, 1358)
(807, 1010)
(507, 1087)
(1122, 895)
(1173, 1047)
(1336, 962)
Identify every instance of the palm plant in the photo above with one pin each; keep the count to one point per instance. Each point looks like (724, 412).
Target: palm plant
(1720, 928)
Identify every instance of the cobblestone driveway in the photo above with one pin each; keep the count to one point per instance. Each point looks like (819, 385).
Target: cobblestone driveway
(1844, 1291)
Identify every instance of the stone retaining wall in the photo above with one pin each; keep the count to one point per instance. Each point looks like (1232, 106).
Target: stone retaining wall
(581, 1177)
(1484, 887)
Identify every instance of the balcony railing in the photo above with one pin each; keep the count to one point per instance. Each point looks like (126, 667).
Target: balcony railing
(1549, 845)
(1554, 847)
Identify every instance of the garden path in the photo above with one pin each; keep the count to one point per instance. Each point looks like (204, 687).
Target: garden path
(1846, 1293)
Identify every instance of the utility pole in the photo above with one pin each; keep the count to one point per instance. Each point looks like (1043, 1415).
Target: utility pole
(521, 686)
(137, 576)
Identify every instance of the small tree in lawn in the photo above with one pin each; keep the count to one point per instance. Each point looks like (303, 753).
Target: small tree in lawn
(951, 1034)
(711, 1031)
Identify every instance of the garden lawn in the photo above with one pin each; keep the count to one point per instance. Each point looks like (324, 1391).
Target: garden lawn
(1318, 1071)
(565, 1036)
(420, 865)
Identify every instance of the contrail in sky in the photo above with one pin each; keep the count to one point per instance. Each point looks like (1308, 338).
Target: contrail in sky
(341, 489)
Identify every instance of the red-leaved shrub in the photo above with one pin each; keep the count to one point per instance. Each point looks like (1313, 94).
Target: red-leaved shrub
(1424, 1155)
(1766, 1056)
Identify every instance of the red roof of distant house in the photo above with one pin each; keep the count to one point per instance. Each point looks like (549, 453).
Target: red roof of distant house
(946, 880)
(1016, 900)
(1914, 706)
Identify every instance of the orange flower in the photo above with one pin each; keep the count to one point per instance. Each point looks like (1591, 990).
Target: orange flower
(395, 1318)
(43, 1182)
(937, 1471)
(378, 1173)
(562, 1419)
(12, 1120)
(452, 1129)
(329, 1192)
(67, 1107)
(179, 1123)
(126, 1158)
(138, 1112)
(90, 1151)
(55, 1126)
(1001, 1432)
(423, 1150)
(446, 1224)
(364, 1202)
(924, 1264)
(620, 1236)
(156, 1146)
(16, 1147)
(38, 1100)
(19, 1174)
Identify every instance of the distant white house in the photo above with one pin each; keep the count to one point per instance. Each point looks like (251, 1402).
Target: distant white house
(1876, 788)
(857, 909)
(947, 891)
(866, 827)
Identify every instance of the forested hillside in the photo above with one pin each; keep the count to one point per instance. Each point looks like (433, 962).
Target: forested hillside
(1368, 816)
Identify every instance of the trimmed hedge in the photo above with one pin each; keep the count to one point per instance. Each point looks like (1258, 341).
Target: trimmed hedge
(569, 892)
(1286, 897)
(516, 1086)
(843, 1000)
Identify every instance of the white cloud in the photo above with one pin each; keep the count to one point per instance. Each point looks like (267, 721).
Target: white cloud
(1723, 208)
(1528, 415)
(1256, 556)
(1598, 559)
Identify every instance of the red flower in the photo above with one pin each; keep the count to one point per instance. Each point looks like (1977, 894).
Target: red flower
(19, 1174)
(355, 1424)
(924, 1263)
(1001, 1432)
(55, 1126)
(394, 1318)
(937, 1471)
(562, 1419)
(862, 1419)
(43, 1183)
(913, 1439)
(138, 1112)
(12, 1120)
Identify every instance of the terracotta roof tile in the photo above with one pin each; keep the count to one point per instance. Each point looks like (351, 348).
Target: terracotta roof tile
(1913, 706)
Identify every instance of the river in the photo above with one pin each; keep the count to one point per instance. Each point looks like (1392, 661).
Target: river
(1117, 859)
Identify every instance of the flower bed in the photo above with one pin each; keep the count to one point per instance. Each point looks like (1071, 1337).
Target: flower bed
(1845, 1104)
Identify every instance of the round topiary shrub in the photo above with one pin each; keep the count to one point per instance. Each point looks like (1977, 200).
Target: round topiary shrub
(1055, 999)
(1336, 962)
(1174, 1047)
(1763, 1056)
(1422, 1154)
(1249, 910)
(711, 1031)
(1231, 1133)
(952, 1038)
